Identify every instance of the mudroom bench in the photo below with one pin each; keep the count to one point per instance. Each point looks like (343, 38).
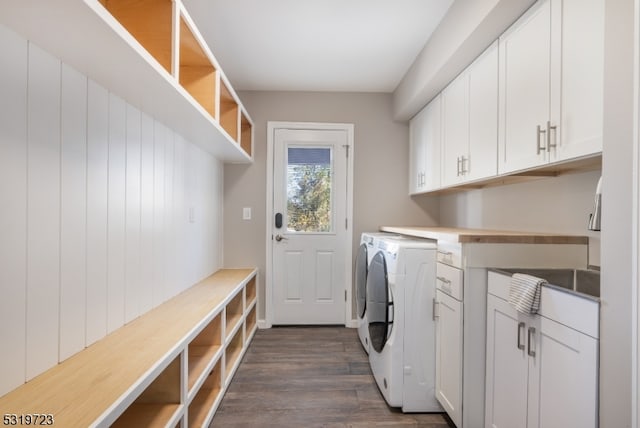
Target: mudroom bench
(169, 367)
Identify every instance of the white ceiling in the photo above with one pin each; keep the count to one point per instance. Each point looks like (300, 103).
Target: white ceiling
(316, 45)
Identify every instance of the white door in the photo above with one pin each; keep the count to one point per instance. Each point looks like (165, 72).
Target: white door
(455, 130)
(582, 79)
(525, 90)
(482, 160)
(449, 355)
(309, 229)
(507, 366)
(564, 380)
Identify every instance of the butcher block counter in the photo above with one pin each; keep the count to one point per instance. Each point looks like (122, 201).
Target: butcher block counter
(485, 236)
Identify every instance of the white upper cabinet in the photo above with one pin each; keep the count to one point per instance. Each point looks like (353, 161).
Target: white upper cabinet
(551, 83)
(424, 149)
(470, 122)
(582, 76)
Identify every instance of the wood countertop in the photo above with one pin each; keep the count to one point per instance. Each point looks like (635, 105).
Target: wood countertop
(80, 389)
(486, 236)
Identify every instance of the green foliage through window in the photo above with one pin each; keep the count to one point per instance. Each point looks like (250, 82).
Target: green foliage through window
(309, 197)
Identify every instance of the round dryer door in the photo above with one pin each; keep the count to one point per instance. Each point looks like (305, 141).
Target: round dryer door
(361, 280)
(379, 302)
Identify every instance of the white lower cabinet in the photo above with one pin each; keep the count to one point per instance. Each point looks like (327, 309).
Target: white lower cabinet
(449, 355)
(540, 373)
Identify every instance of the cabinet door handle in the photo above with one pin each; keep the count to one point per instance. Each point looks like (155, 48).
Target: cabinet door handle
(530, 334)
(463, 162)
(555, 136)
(435, 305)
(443, 279)
(538, 139)
(520, 329)
(458, 166)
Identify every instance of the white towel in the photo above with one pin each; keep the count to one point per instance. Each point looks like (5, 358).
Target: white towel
(524, 293)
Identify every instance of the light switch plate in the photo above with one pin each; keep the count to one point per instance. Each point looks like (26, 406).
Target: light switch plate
(246, 213)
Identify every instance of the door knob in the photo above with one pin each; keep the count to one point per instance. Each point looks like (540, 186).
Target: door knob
(280, 238)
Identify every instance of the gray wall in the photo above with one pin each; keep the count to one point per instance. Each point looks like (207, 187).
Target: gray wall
(380, 170)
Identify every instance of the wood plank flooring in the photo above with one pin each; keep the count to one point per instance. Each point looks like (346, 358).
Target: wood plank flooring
(310, 377)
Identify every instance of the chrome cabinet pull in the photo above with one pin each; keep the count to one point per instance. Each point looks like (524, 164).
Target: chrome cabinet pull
(443, 279)
(463, 161)
(549, 129)
(458, 166)
(538, 139)
(435, 305)
(520, 329)
(530, 334)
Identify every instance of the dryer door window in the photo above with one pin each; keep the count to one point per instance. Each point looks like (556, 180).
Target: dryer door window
(361, 280)
(379, 303)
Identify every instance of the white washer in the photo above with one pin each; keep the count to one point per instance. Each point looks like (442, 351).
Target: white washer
(366, 251)
(400, 293)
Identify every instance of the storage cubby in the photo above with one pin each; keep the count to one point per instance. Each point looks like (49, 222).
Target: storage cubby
(203, 348)
(233, 313)
(251, 321)
(246, 134)
(233, 353)
(251, 291)
(149, 22)
(206, 397)
(197, 75)
(158, 403)
(228, 111)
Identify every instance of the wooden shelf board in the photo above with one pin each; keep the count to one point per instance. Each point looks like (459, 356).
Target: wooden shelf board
(199, 359)
(84, 35)
(147, 415)
(232, 323)
(202, 405)
(117, 362)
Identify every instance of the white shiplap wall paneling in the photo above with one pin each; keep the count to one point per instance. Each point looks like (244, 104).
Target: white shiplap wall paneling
(132, 273)
(95, 221)
(13, 215)
(169, 227)
(43, 210)
(97, 185)
(158, 292)
(73, 224)
(116, 213)
(146, 212)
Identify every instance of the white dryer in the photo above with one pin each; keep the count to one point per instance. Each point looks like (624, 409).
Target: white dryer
(366, 251)
(400, 292)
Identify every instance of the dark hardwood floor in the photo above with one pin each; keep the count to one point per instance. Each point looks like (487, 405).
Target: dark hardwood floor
(310, 377)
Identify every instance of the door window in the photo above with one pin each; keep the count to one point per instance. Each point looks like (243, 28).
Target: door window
(309, 189)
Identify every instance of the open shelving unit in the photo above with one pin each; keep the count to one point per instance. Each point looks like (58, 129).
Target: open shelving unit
(150, 53)
(168, 367)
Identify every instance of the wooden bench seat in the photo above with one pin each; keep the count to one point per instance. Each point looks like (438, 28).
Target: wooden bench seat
(143, 373)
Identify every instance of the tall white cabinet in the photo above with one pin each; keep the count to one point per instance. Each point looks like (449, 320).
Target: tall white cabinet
(470, 122)
(551, 84)
(424, 148)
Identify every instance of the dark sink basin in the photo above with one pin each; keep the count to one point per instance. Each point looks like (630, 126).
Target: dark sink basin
(585, 281)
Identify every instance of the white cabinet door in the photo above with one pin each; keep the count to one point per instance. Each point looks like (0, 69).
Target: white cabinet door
(449, 355)
(563, 378)
(507, 366)
(525, 90)
(424, 131)
(455, 129)
(581, 47)
(482, 158)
